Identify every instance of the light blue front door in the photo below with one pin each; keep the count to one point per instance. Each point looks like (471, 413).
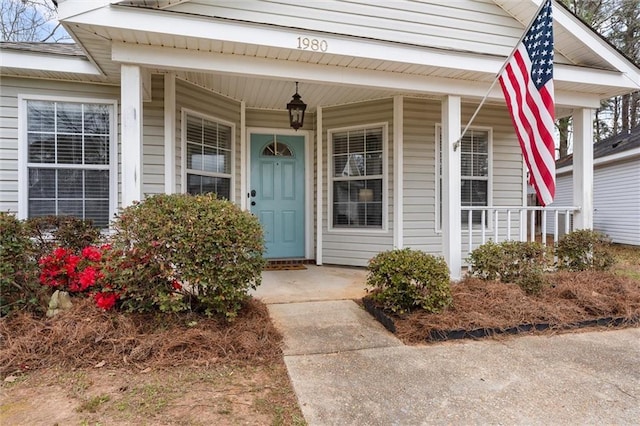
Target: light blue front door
(277, 192)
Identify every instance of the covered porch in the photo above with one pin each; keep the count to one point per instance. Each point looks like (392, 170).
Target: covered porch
(241, 74)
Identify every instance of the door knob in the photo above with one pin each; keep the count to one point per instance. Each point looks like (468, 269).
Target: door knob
(253, 203)
(253, 192)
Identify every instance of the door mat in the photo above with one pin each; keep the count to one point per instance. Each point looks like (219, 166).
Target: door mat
(284, 267)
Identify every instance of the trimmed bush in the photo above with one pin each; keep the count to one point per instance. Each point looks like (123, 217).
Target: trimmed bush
(516, 262)
(507, 260)
(184, 251)
(532, 281)
(584, 249)
(18, 268)
(403, 280)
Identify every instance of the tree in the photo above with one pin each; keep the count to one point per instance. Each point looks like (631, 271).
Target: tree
(30, 20)
(617, 21)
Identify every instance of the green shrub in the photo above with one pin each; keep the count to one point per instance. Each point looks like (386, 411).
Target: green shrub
(507, 261)
(48, 232)
(202, 252)
(402, 280)
(532, 281)
(584, 249)
(19, 286)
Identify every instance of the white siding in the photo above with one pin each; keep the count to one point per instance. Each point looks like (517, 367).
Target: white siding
(153, 131)
(352, 247)
(153, 179)
(421, 117)
(11, 88)
(205, 102)
(475, 26)
(563, 198)
(616, 200)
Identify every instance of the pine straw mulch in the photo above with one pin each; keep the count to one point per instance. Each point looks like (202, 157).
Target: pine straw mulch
(572, 298)
(86, 336)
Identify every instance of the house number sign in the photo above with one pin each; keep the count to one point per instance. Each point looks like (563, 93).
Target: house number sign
(314, 44)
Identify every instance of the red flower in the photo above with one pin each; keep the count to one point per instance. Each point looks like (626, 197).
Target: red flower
(59, 253)
(105, 300)
(176, 285)
(86, 279)
(92, 253)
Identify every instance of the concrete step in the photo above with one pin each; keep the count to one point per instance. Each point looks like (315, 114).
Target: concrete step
(328, 327)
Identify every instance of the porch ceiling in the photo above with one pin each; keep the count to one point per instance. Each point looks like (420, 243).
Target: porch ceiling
(578, 83)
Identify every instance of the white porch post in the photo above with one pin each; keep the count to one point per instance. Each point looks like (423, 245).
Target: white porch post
(583, 168)
(319, 184)
(451, 215)
(169, 133)
(131, 98)
(398, 174)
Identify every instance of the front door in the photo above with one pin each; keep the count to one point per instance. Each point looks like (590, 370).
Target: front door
(277, 192)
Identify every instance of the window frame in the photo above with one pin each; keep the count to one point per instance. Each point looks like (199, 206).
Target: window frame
(438, 175)
(183, 150)
(23, 148)
(384, 228)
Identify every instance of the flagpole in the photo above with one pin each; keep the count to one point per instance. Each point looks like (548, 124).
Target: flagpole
(495, 79)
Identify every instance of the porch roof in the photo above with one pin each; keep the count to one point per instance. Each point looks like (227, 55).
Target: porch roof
(257, 62)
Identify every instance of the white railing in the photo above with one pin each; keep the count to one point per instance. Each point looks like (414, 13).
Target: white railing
(499, 223)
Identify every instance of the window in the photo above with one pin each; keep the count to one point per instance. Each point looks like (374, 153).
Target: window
(208, 156)
(277, 149)
(68, 158)
(357, 159)
(474, 173)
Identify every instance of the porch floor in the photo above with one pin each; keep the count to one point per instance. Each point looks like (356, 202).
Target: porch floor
(316, 283)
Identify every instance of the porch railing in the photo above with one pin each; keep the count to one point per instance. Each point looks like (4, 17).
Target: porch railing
(499, 223)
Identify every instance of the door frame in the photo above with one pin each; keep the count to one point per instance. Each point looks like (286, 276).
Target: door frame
(308, 177)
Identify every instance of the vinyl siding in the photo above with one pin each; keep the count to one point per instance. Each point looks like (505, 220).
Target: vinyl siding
(564, 197)
(419, 219)
(419, 174)
(475, 26)
(11, 89)
(205, 102)
(153, 130)
(616, 199)
(355, 247)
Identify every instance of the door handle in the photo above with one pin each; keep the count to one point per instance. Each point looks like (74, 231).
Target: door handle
(253, 192)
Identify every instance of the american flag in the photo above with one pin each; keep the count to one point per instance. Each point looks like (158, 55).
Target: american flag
(527, 84)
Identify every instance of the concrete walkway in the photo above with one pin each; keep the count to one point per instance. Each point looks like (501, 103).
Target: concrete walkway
(346, 369)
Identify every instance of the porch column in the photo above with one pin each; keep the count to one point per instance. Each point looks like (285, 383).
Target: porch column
(131, 111)
(451, 215)
(398, 173)
(319, 184)
(583, 168)
(169, 133)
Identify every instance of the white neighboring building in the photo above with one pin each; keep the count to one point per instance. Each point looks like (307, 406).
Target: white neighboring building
(616, 186)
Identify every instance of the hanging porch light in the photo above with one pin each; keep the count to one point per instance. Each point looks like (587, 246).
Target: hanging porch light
(296, 110)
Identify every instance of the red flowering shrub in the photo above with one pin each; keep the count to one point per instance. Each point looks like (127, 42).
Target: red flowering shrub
(105, 300)
(66, 271)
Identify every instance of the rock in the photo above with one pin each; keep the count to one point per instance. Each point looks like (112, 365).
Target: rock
(60, 301)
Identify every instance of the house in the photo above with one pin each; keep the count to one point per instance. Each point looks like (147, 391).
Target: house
(616, 186)
(164, 96)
